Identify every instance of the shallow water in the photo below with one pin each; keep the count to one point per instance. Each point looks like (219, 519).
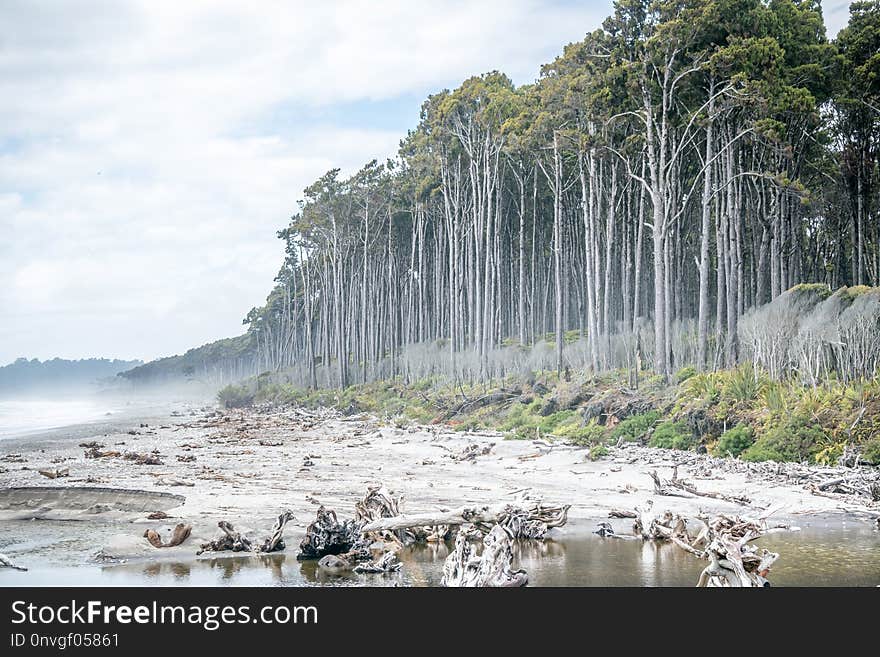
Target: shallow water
(825, 553)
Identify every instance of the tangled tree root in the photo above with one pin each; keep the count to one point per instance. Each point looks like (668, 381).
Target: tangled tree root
(723, 540)
(327, 536)
(492, 568)
(234, 541)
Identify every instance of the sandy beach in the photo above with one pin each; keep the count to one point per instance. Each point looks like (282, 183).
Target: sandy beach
(245, 466)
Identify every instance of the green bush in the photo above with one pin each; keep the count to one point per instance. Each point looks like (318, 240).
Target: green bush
(743, 383)
(597, 452)
(235, 396)
(871, 451)
(684, 374)
(797, 439)
(579, 433)
(635, 427)
(735, 441)
(672, 435)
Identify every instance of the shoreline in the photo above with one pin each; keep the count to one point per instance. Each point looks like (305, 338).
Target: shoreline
(246, 466)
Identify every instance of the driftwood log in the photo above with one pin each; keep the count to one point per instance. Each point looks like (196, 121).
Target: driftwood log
(326, 535)
(464, 568)
(723, 541)
(529, 520)
(230, 541)
(732, 562)
(55, 474)
(179, 535)
(6, 562)
(275, 541)
(234, 541)
(387, 563)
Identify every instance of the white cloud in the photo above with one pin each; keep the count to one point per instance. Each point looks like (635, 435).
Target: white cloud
(144, 171)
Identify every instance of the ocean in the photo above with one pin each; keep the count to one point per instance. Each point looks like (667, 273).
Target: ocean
(23, 417)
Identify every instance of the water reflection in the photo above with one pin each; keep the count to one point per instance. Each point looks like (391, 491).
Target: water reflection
(824, 554)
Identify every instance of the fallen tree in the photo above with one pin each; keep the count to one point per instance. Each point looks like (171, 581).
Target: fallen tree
(531, 521)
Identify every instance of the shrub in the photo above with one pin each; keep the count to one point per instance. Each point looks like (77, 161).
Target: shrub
(743, 383)
(590, 433)
(871, 451)
(734, 441)
(797, 439)
(684, 374)
(672, 435)
(235, 396)
(597, 452)
(635, 427)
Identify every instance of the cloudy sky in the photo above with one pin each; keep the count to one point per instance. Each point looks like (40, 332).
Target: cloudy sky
(149, 151)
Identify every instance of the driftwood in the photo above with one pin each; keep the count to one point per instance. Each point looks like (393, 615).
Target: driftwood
(622, 513)
(723, 540)
(463, 568)
(143, 459)
(235, 542)
(274, 542)
(732, 562)
(179, 535)
(480, 402)
(6, 562)
(661, 489)
(532, 521)
(380, 503)
(55, 474)
(231, 540)
(388, 563)
(472, 451)
(95, 453)
(690, 488)
(327, 536)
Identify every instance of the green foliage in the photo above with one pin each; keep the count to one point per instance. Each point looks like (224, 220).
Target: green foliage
(672, 435)
(635, 427)
(597, 452)
(684, 374)
(591, 433)
(743, 383)
(735, 441)
(233, 396)
(796, 439)
(871, 451)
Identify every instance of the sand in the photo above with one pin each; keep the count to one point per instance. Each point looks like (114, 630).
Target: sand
(245, 466)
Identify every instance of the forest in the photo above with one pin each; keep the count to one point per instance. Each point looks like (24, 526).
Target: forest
(682, 188)
(23, 375)
(687, 163)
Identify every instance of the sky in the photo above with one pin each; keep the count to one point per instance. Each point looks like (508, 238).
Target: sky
(150, 150)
